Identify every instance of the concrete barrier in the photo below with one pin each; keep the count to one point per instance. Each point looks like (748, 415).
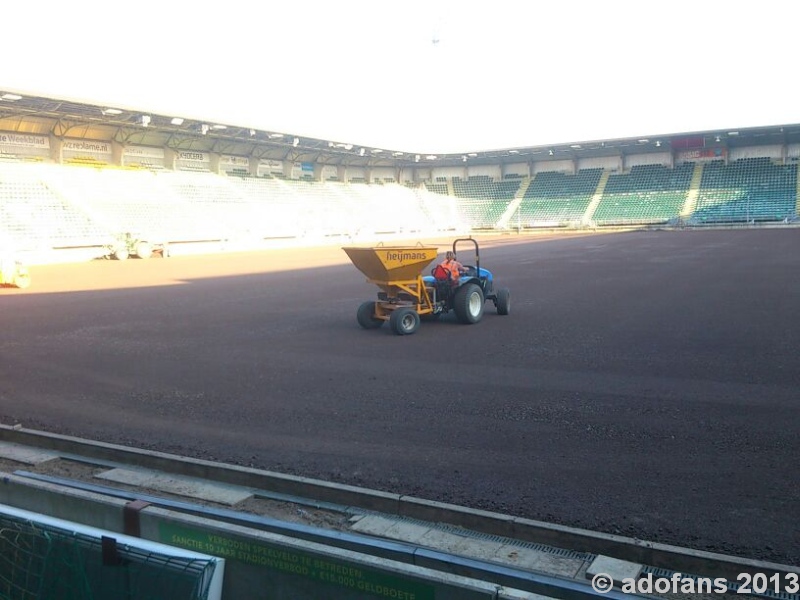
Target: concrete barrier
(580, 540)
(258, 564)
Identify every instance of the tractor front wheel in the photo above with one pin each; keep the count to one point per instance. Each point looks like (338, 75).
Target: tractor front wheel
(404, 321)
(468, 303)
(503, 301)
(366, 316)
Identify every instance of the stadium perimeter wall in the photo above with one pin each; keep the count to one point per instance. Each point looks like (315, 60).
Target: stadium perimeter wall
(258, 564)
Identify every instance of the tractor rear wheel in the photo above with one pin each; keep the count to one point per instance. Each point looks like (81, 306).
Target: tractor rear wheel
(468, 303)
(503, 301)
(143, 249)
(366, 316)
(404, 320)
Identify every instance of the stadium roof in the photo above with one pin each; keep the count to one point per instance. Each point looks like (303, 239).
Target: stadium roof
(76, 119)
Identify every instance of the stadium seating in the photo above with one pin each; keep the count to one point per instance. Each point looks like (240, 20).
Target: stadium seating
(52, 206)
(746, 190)
(436, 187)
(648, 194)
(556, 199)
(46, 205)
(34, 216)
(482, 200)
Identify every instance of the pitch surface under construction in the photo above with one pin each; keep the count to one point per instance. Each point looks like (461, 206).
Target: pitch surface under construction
(645, 383)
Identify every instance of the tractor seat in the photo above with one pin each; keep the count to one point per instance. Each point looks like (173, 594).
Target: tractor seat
(439, 273)
(441, 280)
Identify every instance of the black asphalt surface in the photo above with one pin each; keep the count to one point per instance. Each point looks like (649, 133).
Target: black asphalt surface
(645, 384)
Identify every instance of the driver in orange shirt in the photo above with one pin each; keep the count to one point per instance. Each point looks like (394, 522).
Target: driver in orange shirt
(455, 268)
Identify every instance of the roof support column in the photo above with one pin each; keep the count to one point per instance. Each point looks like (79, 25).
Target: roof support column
(117, 151)
(170, 158)
(214, 162)
(56, 149)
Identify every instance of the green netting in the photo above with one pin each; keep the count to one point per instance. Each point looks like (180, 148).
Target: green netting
(42, 562)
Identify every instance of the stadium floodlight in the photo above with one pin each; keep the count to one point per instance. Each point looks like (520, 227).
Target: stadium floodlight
(274, 136)
(219, 127)
(472, 154)
(176, 121)
(513, 151)
(145, 120)
(111, 111)
(10, 97)
(733, 133)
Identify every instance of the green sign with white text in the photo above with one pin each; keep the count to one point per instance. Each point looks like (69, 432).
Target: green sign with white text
(317, 568)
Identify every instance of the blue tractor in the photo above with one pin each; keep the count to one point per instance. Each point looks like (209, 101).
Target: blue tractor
(466, 297)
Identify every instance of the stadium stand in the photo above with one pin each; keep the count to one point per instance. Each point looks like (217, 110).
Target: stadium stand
(437, 187)
(33, 215)
(45, 205)
(482, 200)
(648, 194)
(746, 190)
(555, 199)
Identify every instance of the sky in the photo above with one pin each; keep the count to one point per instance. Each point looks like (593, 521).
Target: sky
(434, 76)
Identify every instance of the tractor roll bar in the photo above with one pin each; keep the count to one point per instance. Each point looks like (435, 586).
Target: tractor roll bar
(477, 252)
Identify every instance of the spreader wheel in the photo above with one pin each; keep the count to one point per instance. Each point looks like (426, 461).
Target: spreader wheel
(404, 321)
(366, 316)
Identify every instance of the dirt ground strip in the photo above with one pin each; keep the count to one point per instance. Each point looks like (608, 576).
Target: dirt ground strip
(284, 511)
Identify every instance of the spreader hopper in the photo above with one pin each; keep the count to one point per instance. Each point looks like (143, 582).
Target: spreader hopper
(385, 264)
